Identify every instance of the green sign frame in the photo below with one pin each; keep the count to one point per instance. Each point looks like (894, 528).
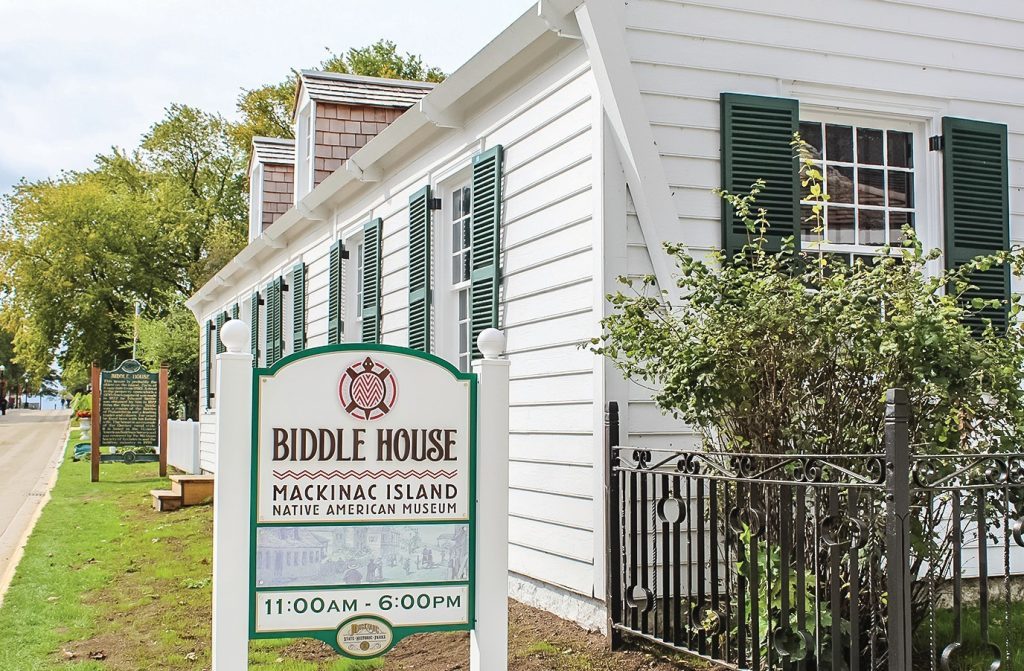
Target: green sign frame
(330, 636)
(139, 375)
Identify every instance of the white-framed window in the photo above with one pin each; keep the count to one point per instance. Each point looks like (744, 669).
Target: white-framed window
(352, 285)
(871, 169)
(305, 149)
(311, 147)
(256, 202)
(455, 265)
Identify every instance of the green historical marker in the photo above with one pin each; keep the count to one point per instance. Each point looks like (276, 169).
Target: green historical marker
(130, 403)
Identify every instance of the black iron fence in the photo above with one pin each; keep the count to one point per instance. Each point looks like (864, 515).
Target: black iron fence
(892, 561)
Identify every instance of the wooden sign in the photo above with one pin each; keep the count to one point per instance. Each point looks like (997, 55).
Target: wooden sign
(358, 482)
(129, 410)
(363, 497)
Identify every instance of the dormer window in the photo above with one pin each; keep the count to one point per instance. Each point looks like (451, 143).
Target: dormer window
(271, 182)
(337, 114)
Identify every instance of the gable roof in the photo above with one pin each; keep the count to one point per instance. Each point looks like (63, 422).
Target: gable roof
(334, 87)
(273, 150)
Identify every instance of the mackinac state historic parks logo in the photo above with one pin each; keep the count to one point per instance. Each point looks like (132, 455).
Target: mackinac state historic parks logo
(368, 389)
(365, 636)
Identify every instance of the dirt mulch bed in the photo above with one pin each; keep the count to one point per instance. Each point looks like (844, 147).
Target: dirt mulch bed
(538, 641)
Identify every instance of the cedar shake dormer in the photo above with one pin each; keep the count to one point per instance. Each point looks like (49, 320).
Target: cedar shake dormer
(271, 182)
(336, 114)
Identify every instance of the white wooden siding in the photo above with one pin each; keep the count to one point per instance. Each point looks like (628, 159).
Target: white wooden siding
(547, 308)
(207, 442)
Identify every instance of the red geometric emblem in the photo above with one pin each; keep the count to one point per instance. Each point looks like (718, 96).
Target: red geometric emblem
(368, 389)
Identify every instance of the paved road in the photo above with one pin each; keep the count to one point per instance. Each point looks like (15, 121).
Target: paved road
(29, 441)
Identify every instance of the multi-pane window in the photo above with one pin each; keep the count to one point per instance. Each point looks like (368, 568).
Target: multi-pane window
(460, 269)
(869, 180)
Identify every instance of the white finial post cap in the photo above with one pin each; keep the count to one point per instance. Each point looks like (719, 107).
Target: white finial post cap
(491, 343)
(234, 334)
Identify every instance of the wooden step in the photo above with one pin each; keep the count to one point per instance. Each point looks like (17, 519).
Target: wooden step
(165, 500)
(193, 489)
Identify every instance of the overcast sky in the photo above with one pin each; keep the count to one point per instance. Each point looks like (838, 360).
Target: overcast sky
(80, 76)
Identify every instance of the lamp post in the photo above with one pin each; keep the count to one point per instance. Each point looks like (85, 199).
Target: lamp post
(3, 383)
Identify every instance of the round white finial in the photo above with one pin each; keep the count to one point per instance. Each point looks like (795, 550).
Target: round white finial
(234, 335)
(491, 343)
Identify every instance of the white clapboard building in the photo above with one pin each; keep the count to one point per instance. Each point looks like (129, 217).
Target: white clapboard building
(562, 155)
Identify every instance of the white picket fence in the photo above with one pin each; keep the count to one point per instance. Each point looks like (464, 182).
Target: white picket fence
(183, 445)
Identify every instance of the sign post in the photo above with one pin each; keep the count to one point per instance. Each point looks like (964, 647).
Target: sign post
(94, 421)
(358, 483)
(489, 639)
(231, 510)
(162, 404)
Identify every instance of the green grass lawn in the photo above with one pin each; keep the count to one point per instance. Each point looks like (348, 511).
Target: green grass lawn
(109, 583)
(973, 654)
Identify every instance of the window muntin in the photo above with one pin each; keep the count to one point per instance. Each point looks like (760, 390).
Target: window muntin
(461, 249)
(869, 178)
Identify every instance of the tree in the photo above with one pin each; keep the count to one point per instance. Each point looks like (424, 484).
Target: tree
(381, 59)
(12, 369)
(78, 251)
(152, 225)
(169, 335)
(268, 110)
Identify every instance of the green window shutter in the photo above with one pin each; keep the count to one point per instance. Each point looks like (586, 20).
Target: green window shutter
(370, 309)
(234, 311)
(485, 255)
(299, 307)
(976, 208)
(221, 319)
(756, 135)
(275, 337)
(254, 328)
(335, 325)
(419, 270)
(207, 363)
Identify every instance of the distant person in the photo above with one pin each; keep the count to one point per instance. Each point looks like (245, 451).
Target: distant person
(3, 406)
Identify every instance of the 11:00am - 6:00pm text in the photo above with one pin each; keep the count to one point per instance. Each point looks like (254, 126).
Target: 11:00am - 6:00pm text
(384, 602)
